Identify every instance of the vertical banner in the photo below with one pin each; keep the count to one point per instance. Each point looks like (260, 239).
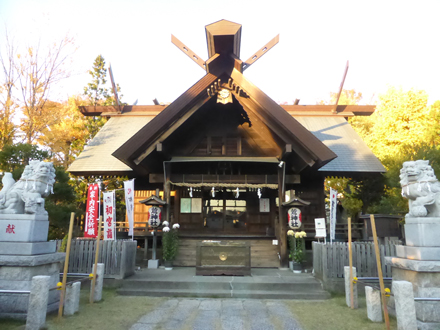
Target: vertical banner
(109, 216)
(91, 223)
(333, 205)
(129, 203)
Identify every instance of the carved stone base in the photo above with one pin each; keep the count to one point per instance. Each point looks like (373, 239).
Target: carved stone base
(23, 228)
(422, 231)
(16, 273)
(25, 248)
(418, 253)
(425, 278)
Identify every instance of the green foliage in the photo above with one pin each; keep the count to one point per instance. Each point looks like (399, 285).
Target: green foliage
(97, 90)
(298, 253)
(64, 244)
(348, 97)
(170, 245)
(14, 158)
(402, 128)
(61, 204)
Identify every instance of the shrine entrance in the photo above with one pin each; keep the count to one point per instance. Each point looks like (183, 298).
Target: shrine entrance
(226, 211)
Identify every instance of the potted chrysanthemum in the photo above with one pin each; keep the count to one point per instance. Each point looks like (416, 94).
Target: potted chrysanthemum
(296, 249)
(170, 244)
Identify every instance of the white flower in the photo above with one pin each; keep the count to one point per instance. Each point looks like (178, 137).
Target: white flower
(165, 224)
(166, 229)
(290, 233)
(176, 226)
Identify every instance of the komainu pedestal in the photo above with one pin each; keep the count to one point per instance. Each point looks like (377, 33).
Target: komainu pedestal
(418, 261)
(24, 249)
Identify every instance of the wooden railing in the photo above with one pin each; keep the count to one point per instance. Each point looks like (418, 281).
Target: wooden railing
(118, 256)
(329, 259)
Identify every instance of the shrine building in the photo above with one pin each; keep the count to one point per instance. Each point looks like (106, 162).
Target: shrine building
(226, 155)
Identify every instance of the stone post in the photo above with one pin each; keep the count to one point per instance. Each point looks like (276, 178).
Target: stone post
(71, 305)
(36, 316)
(405, 305)
(347, 287)
(374, 307)
(97, 296)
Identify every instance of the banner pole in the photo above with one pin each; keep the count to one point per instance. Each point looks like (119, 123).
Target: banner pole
(350, 260)
(66, 266)
(92, 291)
(379, 272)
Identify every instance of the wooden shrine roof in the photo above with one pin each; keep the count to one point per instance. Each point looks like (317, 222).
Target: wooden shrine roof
(334, 131)
(304, 136)
(294, 110)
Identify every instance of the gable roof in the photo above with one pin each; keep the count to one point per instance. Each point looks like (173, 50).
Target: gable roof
(338, 135)
(97, 158)
(310, 149)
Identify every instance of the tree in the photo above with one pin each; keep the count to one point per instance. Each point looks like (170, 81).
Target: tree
(98, 93)
(348, 97)
(402, 128)
(8, 103)
(401, 118)
(37, 74)
(66, 136)
(14, 158)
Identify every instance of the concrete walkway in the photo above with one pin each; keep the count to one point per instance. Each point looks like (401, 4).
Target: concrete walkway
(218, 314)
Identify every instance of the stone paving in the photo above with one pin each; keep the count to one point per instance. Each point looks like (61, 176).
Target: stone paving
(218, 314)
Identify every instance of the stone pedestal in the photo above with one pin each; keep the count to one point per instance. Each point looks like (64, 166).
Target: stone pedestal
(16, 273)
(419, 263)
(25, 253)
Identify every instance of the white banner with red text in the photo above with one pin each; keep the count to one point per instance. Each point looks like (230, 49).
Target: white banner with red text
(109, 215)
(333, 206)
(129, 204)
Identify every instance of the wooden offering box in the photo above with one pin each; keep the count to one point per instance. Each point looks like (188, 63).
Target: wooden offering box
(223, 258)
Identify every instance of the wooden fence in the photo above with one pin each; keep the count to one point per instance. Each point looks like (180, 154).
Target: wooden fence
(329, 259)
(118, 256)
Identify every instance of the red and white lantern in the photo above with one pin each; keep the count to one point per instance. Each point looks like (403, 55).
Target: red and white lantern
(294, 218)
(154, 216)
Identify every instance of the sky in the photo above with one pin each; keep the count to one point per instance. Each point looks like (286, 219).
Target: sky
(387, 43)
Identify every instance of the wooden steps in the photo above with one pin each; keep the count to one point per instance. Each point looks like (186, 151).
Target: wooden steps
(263, 253)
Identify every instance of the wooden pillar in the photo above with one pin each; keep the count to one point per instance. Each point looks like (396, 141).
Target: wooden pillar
(177, 206)
(167, 191)
(282, 226)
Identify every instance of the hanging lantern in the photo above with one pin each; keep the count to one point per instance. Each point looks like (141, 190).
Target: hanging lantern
(154, 216)
(294, 218)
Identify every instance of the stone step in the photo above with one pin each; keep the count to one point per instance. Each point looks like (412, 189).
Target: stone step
(254, 294)
(300, 286)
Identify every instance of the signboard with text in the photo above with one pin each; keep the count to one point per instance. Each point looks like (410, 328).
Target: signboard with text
(91, 221)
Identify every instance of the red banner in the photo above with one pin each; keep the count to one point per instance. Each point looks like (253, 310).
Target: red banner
(91, 223)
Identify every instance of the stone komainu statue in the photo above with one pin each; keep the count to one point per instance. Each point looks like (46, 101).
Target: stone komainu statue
(421, 187)
(27, 194)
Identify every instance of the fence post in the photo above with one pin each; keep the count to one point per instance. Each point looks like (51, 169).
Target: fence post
(347, 287)
(97, 294)
(72, 298)
(123, 260)
(405, 305)
(324, 263)
(37, 309)
(374, 307)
